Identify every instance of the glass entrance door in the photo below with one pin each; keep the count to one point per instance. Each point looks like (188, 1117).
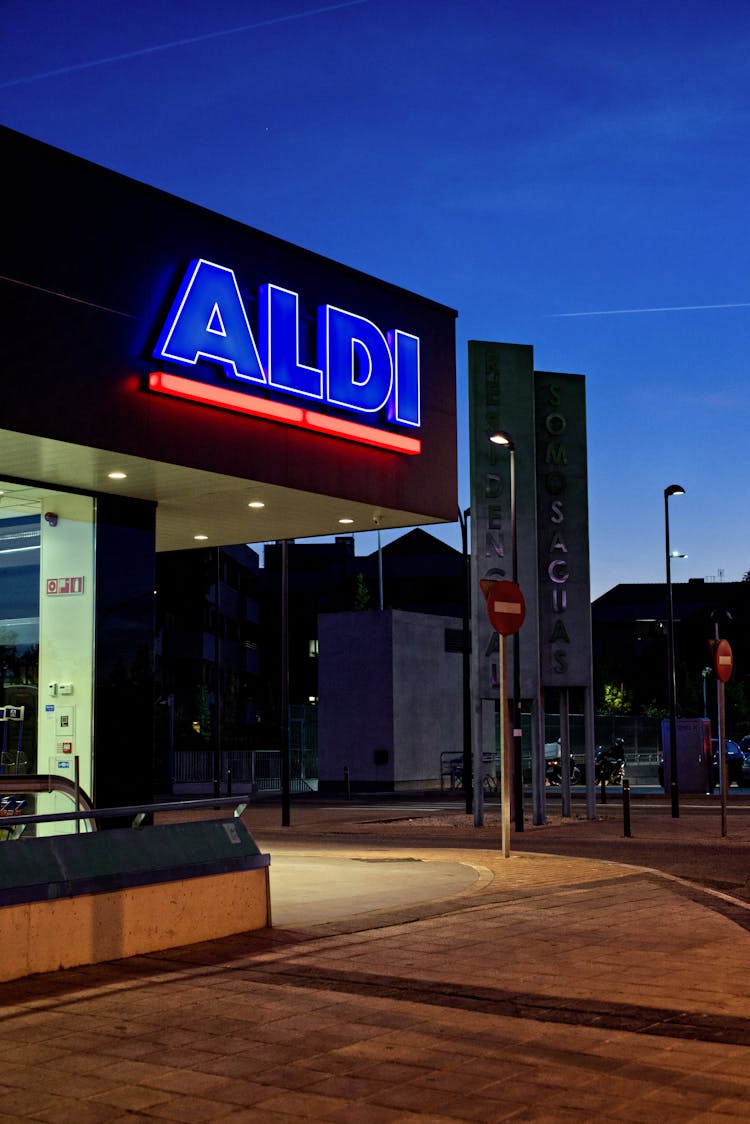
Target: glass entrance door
(46, 637)
(19, 627)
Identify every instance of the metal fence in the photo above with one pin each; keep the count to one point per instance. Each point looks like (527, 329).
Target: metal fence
(259, 768)
(640, 736)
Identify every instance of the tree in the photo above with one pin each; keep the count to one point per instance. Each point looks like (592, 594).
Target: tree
(361, 594)
(618, 699)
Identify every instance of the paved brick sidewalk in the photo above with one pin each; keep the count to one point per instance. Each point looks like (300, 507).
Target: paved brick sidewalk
(546, 988)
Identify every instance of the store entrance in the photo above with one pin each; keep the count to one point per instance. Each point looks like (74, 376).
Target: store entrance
(19, 626)
(46, 634)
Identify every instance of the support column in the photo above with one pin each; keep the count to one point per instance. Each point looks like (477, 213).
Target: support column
(538, 763)
(588, 721)
(565, 750)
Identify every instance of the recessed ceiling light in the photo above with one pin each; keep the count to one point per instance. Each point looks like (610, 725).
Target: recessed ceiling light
(346, 520)
(117, 475)
(200, 538)
(256, 503)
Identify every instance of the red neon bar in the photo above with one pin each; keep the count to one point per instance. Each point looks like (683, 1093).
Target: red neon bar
(367, 434)
(234, 400)
(238, 402)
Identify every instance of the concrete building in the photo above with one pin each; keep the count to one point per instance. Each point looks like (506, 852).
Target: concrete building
(390, 700)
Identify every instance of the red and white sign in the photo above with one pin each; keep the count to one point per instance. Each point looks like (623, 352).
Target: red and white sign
(723, 661)
(64, 587)
(505, 605)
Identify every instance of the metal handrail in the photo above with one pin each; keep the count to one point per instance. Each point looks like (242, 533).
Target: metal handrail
(137, 811)
(42, 782)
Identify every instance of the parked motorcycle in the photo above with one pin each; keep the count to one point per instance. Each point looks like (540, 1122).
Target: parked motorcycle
(553, 766)
(609, 763)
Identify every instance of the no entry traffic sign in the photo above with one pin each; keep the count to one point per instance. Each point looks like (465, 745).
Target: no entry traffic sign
(505, 606)
(723, 661)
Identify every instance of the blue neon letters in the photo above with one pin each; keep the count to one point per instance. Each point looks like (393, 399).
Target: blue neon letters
(357, 366)
(208, 321)
(356, 359)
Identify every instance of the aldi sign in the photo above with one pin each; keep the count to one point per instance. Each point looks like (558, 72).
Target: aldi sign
(369, 374)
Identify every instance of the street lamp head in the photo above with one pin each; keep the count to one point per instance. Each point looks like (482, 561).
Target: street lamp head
(500, 437)
(677, 554)
(674, 490)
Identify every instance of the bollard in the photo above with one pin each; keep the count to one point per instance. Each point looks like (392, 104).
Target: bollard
(604, 790)
(347, 786)
(229, 780)
(626, 807)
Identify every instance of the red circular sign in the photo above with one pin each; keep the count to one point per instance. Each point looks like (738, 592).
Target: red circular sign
(723, 661)
(505, 605)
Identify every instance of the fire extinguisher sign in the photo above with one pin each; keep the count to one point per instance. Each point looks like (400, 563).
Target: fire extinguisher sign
(64, 587)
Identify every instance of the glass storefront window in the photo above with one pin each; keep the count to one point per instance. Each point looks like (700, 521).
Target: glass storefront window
(19, 630)
(46, 642)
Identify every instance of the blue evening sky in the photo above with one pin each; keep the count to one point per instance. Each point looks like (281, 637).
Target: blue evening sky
(518, 160)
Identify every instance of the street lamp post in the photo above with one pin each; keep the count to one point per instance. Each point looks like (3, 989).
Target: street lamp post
(468, 780)
(285, 747)
(672, 490)
(502, 438)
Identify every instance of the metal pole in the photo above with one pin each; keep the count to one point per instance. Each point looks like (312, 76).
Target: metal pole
(724, 777)
(478, 758)
(538, 761)
(170, 740)
(589, 729)
(468, 779)
(380, 574)
(565, 752)
(217, 679)
(504, 747)
(285, 762)
(721, 723)
(674, 489)
(77, 788)
(516, 712)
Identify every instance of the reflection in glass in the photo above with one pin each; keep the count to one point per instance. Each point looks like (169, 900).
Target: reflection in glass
(19, 639)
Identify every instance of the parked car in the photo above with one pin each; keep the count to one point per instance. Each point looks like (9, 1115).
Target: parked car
(745, 749)
(738, 763)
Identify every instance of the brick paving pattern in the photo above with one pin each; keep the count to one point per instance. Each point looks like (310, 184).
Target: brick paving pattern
(543, 988)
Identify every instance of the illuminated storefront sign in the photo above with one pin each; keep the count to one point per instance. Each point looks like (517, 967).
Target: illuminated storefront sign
(357, 368)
